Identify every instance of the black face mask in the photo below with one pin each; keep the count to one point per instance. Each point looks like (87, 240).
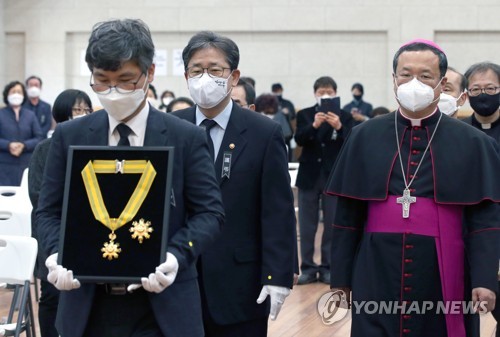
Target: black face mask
(484, 104)
(357, 97)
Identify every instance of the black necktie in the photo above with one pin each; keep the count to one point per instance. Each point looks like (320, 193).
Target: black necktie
(124, 131)
(208, 124)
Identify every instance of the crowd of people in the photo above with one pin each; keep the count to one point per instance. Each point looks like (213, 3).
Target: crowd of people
(409, 199)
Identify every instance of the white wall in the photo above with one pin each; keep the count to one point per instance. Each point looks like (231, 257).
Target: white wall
(288, 41)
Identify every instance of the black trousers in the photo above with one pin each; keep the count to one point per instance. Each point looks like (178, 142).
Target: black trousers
(47, 309)
(128, 315)
(254, 328)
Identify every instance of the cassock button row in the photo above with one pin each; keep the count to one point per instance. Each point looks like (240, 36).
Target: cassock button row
(406, 317)
(408, 246)
(412, 190)
(407, 289)
(406, 330)
(416, 138)
(413, 163)
(416, 128)
(408, 260)
(407, 275)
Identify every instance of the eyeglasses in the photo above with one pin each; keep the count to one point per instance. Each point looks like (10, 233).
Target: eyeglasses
(197, 72)
(477, 91)
(122, 88)
(81, 111)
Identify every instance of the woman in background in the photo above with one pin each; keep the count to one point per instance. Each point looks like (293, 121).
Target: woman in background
(19, 134)
(70, 104)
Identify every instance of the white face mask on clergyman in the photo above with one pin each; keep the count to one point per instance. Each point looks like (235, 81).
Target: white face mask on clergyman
(208, 91)
(33, 92)
(448, 104)
(415, 95)
(120, 106)
(15, 99)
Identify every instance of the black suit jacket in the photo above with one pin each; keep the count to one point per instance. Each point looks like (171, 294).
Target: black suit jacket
(196, 217)
(319, 148)
(258, 241)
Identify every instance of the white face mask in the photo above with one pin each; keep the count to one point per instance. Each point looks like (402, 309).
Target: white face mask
(33, 92)
(325, 96)
(208, 91)
(167, 100)
(448, 104)
(78, 116)
(120, 106)
(415, 95)
(15, 99)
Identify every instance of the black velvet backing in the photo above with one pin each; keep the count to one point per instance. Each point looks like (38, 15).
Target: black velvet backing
(82, 236)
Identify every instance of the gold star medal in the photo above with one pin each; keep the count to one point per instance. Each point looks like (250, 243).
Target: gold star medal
(111, 249)
(141, 230)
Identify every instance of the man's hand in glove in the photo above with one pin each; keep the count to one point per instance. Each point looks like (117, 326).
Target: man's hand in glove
(59, 276)
(278, 295)
(163, 277)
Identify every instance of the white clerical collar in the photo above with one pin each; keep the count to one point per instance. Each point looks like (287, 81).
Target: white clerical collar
(416, 121)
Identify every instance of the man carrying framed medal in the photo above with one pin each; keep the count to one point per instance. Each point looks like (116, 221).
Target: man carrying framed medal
(123, 226)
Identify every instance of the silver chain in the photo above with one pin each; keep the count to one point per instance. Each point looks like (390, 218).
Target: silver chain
(423, 156)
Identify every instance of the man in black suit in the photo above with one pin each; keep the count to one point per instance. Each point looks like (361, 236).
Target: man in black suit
(321, 135)
(120, 57)
(255, 255)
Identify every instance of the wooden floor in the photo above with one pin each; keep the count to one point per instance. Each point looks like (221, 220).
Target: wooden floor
(299, 316)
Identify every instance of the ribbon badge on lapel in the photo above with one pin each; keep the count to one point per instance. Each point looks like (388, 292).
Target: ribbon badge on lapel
(226, 163)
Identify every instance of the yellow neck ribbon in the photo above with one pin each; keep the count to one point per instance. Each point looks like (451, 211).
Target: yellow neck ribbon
(143, 167)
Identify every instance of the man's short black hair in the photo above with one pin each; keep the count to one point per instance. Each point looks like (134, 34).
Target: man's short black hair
(323, 82)
(482, 67)
(208, 39)
(114, 42)
(249, 91)
(418, 46)
(276, 87)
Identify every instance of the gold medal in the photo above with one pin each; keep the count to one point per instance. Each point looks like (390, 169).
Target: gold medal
(111, 249)
(141, 230)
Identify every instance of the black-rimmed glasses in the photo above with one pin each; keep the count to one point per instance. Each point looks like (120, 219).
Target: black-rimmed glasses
(196, 72)
(122, 88)
(477, 91)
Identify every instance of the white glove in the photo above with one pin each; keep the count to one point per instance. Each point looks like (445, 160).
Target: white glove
(59, 276)
(278, 295)
(163, 277)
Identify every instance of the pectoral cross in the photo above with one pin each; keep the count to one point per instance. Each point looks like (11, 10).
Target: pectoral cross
(406, 200)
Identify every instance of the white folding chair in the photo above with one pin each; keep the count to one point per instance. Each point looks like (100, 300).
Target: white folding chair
(15, 211)
(17, 261)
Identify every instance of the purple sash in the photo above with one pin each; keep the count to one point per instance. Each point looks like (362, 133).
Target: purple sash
(444, 223)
